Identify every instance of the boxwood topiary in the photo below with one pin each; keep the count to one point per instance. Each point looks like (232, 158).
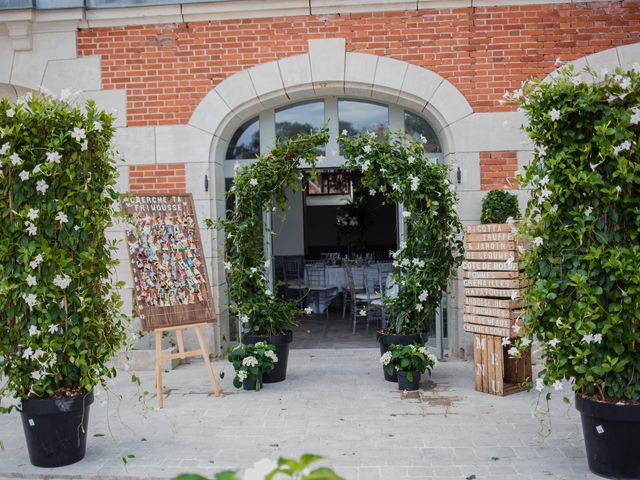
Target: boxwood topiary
(498, 206)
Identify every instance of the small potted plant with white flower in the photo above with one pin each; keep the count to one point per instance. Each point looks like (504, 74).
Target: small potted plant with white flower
(59, 311)
(408, 362)
(251, 363)
(583, 217)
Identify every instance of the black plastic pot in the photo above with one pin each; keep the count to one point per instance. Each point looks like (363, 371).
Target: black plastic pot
(56, 429)
(611, 437)
(248, 384)
(405, 384)
(281, 342)
(385, 340)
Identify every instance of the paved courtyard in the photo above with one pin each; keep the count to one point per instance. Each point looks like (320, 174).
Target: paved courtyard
(334, 403)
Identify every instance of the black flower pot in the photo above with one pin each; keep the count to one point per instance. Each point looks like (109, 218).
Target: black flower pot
(386, 340)
(248, 384)
(611, 437)
(405, 384)
(281, 342)
(56, 429)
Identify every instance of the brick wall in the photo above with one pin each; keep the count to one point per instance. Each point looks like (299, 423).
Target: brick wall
(157, 179)
(167, 69)
(498, 170)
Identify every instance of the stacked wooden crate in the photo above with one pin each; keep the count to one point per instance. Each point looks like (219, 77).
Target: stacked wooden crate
(493, 305)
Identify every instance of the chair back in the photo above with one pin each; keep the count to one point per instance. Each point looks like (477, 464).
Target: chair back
(316, 274)
(384, 270)
(292, 268)
(371, 282)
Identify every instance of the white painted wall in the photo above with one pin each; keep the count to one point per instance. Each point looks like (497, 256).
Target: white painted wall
(289, 235)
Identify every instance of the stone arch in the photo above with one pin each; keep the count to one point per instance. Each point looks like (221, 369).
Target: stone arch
(623, 56)
(328, 69)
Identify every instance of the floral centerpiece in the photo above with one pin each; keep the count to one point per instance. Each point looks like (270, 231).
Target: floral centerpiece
(583, 221)
(409, 362)
(60, 314)
(251, 362)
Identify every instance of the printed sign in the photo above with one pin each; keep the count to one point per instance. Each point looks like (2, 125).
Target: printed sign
(171, 285)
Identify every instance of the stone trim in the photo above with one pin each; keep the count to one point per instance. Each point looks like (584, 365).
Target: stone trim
(623, 56)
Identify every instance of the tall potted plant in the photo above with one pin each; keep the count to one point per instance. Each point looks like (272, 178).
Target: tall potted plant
(258, 188)
(433, 248)
(584, 222)
(60, 314)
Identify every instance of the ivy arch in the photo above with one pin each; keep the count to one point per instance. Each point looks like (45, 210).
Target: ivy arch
(392, 166)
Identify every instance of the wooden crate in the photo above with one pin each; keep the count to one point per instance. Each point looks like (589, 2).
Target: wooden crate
(495, 372)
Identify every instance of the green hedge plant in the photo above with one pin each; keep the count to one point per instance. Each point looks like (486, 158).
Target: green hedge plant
(583, 219)
(59, 311)
(433, 249)
(498, 206)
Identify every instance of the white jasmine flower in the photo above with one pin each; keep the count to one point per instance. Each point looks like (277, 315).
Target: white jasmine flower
(27, 353)
(10, 112)
(76, 227)
(268, 293)
(33, 214)
(36, 261)
(588, 210)
(53, 157)
(97, 126)
(62, 217)
(65, 93)
(554, 114)
(525, 342)
(37, 374)
(15, 159)
(385, 359)
(423, 296)
(419, 307)
(557, 385)
(84, 146)
(423, 139)
(33, 331)
(587, 338)
(4, 149)
(514, 295)
(559, 322)
(249, 361)
(32, 230)
(78, 134)
(538, 241)
(30, 300)
(362, 313)
(242, 375)
(244, 318)
(516, 329)
(38, 353)
(395, 187)
(558, 62)
(308, 310)
(554, 342)
(253, 182)
(415, 182)
(344, 133)
(365, 165)
(406, 214)
(625, 83)
(42, 187)
(541, 150)
(372, 192)
(626, 145)
(24, 175)
(227, 266)
(31, 280)
(62, 281)
(597, 338)
(411, 159)
(539, 384)
(513, 352)
(53, 328)
(509, 261)
(367, 149)
(506, 341)
(544, 180)
(635, 119)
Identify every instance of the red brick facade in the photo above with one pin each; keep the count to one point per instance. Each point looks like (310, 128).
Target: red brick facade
(158, 179)
(498, 170)
(167, 69)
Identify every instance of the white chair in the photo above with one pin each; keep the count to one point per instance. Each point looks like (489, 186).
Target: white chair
(365, 299)
(316, 283)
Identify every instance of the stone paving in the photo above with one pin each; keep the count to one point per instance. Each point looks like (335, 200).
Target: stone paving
(334, 403)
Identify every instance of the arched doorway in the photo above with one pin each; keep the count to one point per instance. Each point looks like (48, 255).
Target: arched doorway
(330, 74)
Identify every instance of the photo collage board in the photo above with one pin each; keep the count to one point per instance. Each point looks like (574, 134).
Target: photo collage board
(171, 284)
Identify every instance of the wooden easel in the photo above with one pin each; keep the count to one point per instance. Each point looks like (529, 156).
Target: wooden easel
(182, 354)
